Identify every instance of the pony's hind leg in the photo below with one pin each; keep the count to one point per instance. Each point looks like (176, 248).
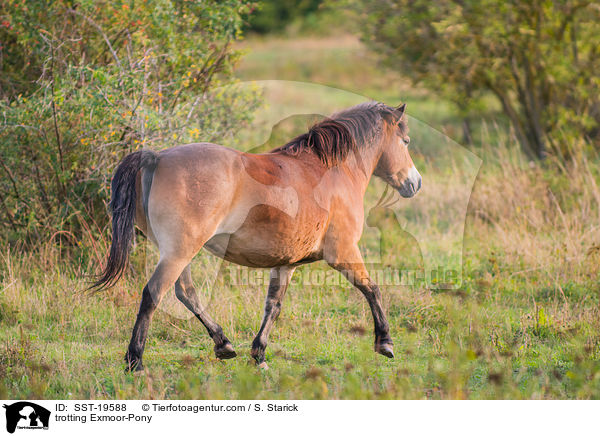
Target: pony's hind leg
(186, 293)
(164, 276)
(280, 279)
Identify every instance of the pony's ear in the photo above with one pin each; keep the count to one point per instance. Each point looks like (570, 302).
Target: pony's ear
(399, 111)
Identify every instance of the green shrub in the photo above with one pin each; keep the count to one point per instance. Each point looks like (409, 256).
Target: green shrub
(85, 83)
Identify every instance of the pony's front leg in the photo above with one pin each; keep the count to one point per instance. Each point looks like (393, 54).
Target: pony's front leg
(278, 283)
(163, 278)
(350, 263)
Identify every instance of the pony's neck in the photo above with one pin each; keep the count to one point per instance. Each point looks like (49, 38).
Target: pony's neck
(362, 163)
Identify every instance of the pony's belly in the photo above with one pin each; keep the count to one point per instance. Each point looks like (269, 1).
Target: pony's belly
(264, 250)
(268, 236)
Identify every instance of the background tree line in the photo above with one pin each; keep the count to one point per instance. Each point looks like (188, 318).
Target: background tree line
(539, 60)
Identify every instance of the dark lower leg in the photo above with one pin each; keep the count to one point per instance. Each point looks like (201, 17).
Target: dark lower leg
(259, 344)
(133, 358)
(186, 293)
(163, 278)
(280, 278)
(382, 328)
(357, 274)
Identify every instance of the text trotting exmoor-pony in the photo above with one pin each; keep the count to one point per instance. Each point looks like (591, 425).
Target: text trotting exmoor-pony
(299, 203)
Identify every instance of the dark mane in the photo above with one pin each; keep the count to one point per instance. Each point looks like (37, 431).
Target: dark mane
(333, 139)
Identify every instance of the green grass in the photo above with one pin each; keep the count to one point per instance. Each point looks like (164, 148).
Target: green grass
(524, 324)
(484, 341)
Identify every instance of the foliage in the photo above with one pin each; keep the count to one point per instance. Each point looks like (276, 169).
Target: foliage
(273, 16)
(84, 83)
(539, 59)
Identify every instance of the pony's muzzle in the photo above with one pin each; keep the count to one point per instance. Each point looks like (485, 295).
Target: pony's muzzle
(411, 184)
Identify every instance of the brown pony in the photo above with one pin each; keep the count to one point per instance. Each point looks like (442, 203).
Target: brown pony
(297, 204)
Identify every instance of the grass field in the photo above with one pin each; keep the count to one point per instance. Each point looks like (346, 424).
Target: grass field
(524, 324)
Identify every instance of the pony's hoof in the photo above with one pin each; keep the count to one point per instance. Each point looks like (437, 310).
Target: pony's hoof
(133, 367)
(225, 351)
(386, 349)
(133, 363)
(263, 366)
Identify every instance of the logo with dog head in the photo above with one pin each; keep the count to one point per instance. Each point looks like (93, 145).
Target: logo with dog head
(26, 415)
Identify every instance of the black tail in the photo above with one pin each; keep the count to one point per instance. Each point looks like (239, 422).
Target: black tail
(122, 205)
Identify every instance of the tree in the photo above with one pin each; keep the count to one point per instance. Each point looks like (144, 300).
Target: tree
(539, 58)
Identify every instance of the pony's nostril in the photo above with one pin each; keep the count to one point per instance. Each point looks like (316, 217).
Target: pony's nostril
(419, 187)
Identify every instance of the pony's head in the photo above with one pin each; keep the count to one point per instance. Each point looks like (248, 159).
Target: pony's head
(395, 165)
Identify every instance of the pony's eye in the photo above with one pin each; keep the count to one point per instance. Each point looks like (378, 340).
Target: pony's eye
(406, 140)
